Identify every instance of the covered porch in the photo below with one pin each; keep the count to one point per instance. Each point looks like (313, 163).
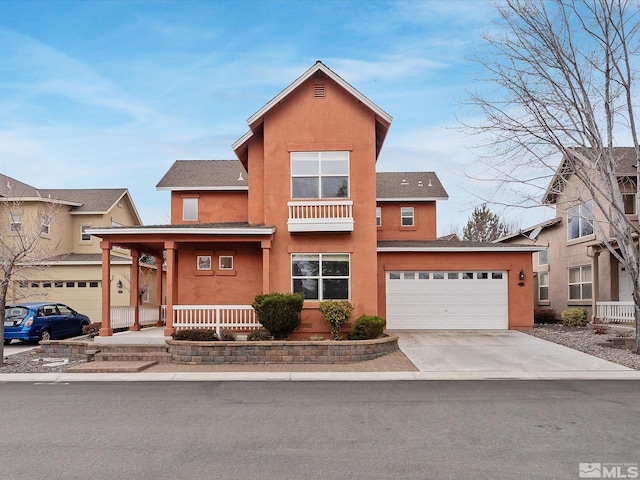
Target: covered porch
(196, 263)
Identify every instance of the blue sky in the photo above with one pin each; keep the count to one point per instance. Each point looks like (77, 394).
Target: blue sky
(103, 94)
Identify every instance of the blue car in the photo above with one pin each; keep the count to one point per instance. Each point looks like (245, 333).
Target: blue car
(41, 321)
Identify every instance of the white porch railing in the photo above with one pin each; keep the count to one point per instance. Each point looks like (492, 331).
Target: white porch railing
(235, 317)
(615, 312)
(124, 316)
(321, 215)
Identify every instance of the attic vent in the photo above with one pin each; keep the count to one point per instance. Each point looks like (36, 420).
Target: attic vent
(429, 184)
(404, 182)
(318, 90)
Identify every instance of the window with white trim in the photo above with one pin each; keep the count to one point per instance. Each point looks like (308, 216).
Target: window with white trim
(225, 262)
(543, 286)
(580, 220)
(320, 174)
(378, 216)
(84, 235)
(407, 216)
(321, 276)
(580, 283)
(542, 257)
(190, 208)
(15, 220)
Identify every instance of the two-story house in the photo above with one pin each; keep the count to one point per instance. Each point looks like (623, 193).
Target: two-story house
(302, 209)
(69, 258)
(576, 269)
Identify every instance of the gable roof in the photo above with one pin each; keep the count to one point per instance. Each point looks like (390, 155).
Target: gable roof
(451, 246)
(10, 187)
(626, 165)
(530, 233)
(205, 175)
(383, 119)
(415, 186)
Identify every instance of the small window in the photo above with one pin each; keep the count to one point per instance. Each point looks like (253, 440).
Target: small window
(93, 284)
(629, 201)
(145, 296)
(378, 216)
(15, 222)
(84, 236)
(543, 286)
(82, 284)
(542, 257)
(406, 217)
(467, 276)
(190, 209)
(225, 262)
(394, 276)
(482, 276)
(423, 275)
(453, 276)
(46, 227)
(496, 276)
(35, 284)
(438, 275)
(46, 284)
(409, 276)
(58, 284)
(71, 284)
(204, 262)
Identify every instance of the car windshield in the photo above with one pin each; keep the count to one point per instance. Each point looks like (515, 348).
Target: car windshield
(15, 314)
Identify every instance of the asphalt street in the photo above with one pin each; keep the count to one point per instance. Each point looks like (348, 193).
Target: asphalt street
(316, 430)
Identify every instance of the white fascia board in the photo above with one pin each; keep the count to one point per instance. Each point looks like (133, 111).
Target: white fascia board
(420, 199)
(302, 78)
(41, 199)
(182, 231)
(532, 248)
(208, 189)
(244, 138)
(89, 262)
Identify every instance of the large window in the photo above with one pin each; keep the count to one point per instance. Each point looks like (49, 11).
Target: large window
(580, 283)
(580, 220)
(319, 174)
(189, 209)
(543, 286)
(321, 276)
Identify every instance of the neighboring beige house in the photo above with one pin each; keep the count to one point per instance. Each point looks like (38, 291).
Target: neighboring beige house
(73, 257)
(577, 270)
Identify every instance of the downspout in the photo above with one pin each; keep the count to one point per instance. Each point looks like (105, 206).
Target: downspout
(595, 284)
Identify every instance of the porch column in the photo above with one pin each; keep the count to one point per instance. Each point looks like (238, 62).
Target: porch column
(172, 286)
(595, 284)
(135, 289)
(266, 249)
(105, 329)
(159, 299)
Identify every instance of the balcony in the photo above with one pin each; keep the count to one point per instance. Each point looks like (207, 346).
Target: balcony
(321, 216)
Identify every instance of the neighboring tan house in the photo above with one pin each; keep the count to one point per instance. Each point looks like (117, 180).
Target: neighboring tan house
(302, 209)
(576, 269)
(71, 257)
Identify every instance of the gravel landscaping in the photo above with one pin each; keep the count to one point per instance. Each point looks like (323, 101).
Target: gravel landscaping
(584, 340)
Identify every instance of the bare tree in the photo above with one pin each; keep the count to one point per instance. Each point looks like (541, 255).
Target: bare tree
(23, 248)
(562, 73)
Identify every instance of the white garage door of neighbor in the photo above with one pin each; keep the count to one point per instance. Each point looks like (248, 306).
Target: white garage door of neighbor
(447, 300)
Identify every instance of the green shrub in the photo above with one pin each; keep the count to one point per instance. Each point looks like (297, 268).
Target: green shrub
(228, 335)
(574, 317)
(259, 335)
(196, 335)
(337, 313)
(367, 327)
(545, 315)
(279, 312)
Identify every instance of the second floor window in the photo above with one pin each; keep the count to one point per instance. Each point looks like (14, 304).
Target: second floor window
(319, 174)
(378, 216)
(189, 209)
(406, 217)
(16, 222)
(542, 257)
(580, 220)
(84, 235)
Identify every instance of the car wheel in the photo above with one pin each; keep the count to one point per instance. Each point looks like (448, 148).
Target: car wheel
(7, 342)
(45, 335)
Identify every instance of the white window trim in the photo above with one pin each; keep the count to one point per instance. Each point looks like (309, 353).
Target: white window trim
(15, 222)
(82, 233)
(582, 218)
(543, 285)
(378, 216)
(320, 175)
(203, 262)
(546, 251)
(403, 216)
(220, 267)
(581, 268)
(185, 201)
(319, 277)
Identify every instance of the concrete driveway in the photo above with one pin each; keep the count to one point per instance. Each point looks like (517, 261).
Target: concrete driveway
(500, 354)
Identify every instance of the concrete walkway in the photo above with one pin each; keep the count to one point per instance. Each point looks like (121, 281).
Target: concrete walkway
(424, 355)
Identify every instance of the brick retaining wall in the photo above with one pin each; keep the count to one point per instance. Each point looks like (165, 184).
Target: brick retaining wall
(282, 352)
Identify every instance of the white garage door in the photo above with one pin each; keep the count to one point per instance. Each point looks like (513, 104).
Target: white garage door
(447, 300)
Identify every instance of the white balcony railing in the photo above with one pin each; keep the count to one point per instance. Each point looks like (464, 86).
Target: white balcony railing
(321, 216)
(615, 312)
(124, 316)
(234, 317)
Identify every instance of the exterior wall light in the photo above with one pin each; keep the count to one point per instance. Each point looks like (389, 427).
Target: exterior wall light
(521, 275)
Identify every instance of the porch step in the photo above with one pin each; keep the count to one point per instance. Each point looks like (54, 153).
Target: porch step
(133, 353)
(112, 367)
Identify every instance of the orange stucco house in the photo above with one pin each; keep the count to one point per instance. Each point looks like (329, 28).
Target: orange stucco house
(303, 209)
